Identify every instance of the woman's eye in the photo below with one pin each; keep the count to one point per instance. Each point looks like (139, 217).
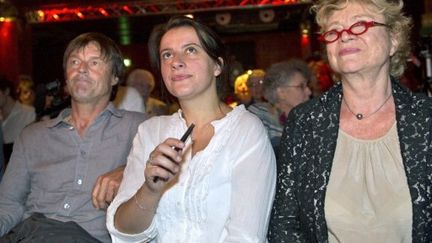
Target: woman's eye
(165, 55)
(191, 50)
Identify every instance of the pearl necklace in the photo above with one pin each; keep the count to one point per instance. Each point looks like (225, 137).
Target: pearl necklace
(361, 116)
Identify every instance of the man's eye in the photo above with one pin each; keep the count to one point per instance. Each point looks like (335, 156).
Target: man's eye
(74, 61)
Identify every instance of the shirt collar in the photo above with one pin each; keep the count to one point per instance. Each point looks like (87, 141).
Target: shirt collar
(64, 115)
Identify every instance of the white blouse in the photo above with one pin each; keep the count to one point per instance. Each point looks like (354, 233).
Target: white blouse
(223, 194)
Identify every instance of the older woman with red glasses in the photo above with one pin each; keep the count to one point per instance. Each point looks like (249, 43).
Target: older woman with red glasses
(355, 163)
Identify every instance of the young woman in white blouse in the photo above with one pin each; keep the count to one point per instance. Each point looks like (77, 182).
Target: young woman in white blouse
(218, 186)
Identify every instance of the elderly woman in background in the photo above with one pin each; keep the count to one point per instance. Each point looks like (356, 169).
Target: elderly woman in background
(285, 86)
(356, 163)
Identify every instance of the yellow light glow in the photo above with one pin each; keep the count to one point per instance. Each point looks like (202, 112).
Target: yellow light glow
(127, 62)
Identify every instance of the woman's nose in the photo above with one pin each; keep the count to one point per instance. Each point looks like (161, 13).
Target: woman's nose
(177, 62)
(345, 36)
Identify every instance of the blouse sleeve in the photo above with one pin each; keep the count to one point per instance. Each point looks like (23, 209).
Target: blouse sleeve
(253, 187)
(284, 224)
(133, 178)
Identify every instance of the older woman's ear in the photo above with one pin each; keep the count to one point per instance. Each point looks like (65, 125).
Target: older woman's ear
(394, 38)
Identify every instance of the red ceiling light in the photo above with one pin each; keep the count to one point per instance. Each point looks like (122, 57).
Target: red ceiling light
(103, 12)
(127, 9)
(136, 8)
(80, 15)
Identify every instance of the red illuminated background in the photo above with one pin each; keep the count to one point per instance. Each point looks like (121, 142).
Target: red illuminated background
(257, 32)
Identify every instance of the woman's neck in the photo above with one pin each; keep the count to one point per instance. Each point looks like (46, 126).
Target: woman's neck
(285, 108)
(203, 114)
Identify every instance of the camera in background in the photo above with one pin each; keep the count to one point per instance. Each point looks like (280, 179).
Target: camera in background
(50, 100)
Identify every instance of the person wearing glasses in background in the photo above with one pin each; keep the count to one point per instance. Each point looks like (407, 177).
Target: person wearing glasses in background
(285, 86)
(355, 164)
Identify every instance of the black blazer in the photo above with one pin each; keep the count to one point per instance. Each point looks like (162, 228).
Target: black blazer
(306, 154)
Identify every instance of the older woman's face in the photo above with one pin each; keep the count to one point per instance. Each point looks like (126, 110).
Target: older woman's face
(367, 53)
(295, 91)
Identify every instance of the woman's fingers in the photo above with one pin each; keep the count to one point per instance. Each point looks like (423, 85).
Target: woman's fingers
(164, 161)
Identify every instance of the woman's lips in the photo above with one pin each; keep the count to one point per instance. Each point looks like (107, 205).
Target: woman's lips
(348, 51)
(180, 77)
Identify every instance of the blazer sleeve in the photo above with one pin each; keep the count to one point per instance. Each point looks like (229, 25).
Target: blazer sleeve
(284, 223)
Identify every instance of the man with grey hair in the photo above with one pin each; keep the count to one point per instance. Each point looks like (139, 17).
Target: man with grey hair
(143, 81)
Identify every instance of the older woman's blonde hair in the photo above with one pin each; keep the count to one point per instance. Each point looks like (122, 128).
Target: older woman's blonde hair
(399, 25)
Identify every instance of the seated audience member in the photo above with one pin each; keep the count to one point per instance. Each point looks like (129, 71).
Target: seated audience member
(355, 163)
(128, 98)
(323, 75)
(14, 115)
(241, 92)
(60, 167)
(255, 84)
(143, 81)
(51, 99)
(2, 161)
(26, 91)
(218, 185)
(285, 86)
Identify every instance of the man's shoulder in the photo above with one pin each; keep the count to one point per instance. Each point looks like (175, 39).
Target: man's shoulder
(134, 115)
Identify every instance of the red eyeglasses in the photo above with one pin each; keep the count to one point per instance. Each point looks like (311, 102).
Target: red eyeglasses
(355, 29)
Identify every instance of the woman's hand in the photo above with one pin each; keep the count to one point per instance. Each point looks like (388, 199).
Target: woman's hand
(163, 164)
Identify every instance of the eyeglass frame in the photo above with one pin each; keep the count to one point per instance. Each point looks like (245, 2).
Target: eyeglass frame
(367, 25)
(302, 86)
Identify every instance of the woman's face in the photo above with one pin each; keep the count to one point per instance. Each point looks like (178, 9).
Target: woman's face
(359, 54)
(255, 86)
(296, 91)
(26, 96)
(187, 70)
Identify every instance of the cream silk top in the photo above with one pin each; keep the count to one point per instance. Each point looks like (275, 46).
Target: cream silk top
(367, 198)
(223, 194)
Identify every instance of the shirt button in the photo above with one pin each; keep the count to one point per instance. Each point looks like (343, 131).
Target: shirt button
(79, 182)
(83, 153)
(71, 128)
(66, 206)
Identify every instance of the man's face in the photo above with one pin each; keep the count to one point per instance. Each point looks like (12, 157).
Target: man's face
(89, 77)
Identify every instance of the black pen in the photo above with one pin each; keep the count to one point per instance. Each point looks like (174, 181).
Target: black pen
(183, 139)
